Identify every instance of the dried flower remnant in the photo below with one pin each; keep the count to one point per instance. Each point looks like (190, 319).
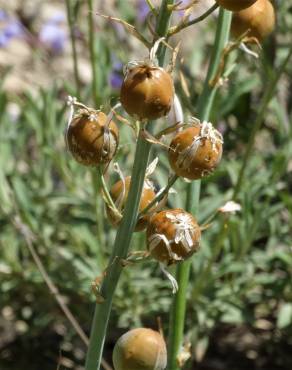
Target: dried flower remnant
(196, 151)
(173, 236)
(230, 207)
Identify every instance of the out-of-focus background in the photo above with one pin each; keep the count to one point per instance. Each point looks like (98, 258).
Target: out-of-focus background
(240, 315)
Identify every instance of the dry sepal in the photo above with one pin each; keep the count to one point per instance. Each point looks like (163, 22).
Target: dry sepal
(92, 137)
(196, 151)
(140, 349)
(172, 236)
(258, 20)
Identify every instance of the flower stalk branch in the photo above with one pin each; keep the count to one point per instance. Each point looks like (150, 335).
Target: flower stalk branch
(160, 195)
(173, 30)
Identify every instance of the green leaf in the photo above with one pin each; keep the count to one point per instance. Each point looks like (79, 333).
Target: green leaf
(284, 318)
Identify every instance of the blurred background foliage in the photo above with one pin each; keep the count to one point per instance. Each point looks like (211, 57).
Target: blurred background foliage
(239, 311)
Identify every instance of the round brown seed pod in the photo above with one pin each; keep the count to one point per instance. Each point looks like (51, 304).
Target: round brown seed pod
(90, 141)
(147, 92)
(235, 5)
(172, 236)
(258, 19)
(140, 349)
(196, 151)
(119, 193)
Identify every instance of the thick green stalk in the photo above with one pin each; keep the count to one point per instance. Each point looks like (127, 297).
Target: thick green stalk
(93, 55)
(71, 22)
(205, 103)
(125, 231)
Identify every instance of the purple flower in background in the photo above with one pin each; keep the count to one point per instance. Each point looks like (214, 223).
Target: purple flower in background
(3, 15)
(9, 29)
(183, 4)
(143, 10)
(116, 77)
(13, 29)
(53, 34)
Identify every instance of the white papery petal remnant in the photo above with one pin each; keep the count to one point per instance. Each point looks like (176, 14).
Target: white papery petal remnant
(184, 229)
(230, 207)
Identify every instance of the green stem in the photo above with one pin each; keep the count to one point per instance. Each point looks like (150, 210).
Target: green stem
(125, 230)
(93, 55)
(205, 103)
(120, 251)
(98, 204)
(71, 22)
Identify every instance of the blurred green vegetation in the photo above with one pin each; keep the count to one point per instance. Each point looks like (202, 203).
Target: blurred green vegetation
(247, 285)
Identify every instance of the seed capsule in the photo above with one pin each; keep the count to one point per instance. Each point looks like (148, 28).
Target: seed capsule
(91, 140)
(173, 236)
(147, 92)
(259, 19)
(119, 193)
(196, 151)
(140, 349)
(235, 5)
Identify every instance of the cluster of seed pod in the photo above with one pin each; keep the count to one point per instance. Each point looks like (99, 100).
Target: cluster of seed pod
(172, 235)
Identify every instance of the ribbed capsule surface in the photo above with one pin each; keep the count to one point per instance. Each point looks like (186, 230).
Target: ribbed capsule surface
(196, 151)
(259, 19)
(173, 235)
(119, 193)
(140, 349)
(235, 5)
(147, 92)
(89, 141)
